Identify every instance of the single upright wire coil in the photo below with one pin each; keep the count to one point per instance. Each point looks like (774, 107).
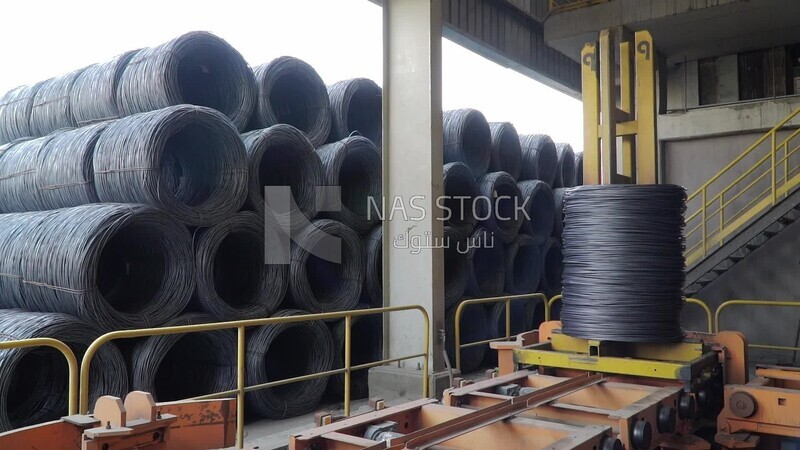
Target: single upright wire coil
(460, 191)
(93, 97)
(624, 266)
(15, 113)
(565, 167)
(234, 281)
(539, 208)
(506, 149)
(187, 160)
(197, 68)
(373, 273)
(290, 91)
(539, 158)
(282, 156)
(498, 205)
(467, 139)
(356, 106)
(354, 165)
(52, 109)
(523, 265)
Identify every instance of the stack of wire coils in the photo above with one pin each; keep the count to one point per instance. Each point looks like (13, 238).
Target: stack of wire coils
(623, 262)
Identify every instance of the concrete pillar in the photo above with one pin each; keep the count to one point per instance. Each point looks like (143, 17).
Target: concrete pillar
(412, 167)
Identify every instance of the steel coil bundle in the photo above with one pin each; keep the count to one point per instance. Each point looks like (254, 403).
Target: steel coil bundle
(467, 139)
(486, 264)
(33, 381)
(552, 267)
(474, 327)
(234, 281)
(565, 166)
(523, 265)
(196, 68)
(15, 113)
(578, 169)
(188, 160)
(539, 158)
(558, 222)
(456, 266)
(367, 346)
(51, 109)
(93, 97)
(356, 106)
(290, 91)
(373, 270)
(281, 351)
(460, 191)
(539, 208)
(624, 266)
(19, 164)
(506, 149)
(113, 265)
(327, 268)
(282, 156)
(497, 205)
(354, 165)
(182, 366)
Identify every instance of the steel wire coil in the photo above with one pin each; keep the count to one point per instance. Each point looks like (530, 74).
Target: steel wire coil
(498, 204)
(187, 160)
(196, 68)
(456, 266)
(281, 155)
(234, 281)
(356, 106)
(579, 169)
(540, 209)
(523, 265)
(281, 351)
(474, 327)
(460, 191)
(467, 139)
(486, 259)
(327, 268)
(565, 166)
(51, 109)
(354, 165)
(19, 164)
(15, 113)
(34, 381)
(114, 265)
(558, 219)
(372, 291)
(552, 267)
(182, 366)
(93, 96)
(366, 347)
(506, 149)
(539, 158)
(624, 266)
(290, 91)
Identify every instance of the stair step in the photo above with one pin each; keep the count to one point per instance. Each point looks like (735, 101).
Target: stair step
(769, 234)
(786, 220)
(750, 246)
(733, 259)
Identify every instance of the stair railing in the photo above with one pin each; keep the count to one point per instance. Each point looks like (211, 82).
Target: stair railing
(756, 180)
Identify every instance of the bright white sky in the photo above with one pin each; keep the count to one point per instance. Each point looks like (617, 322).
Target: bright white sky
(340, 38)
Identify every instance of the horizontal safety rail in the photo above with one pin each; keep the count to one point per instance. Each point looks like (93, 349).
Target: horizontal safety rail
(72, 363)
(720, 210)
(241, 326)
(487, 300)
(693, 301)
(557, 6)
(763, 303)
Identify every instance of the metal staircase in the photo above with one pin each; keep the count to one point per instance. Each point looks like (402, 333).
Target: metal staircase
(744, 205)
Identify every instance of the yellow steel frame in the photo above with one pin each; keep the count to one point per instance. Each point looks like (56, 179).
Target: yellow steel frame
(72, 363)
(557, 6)
(481, 301)
(764, 303)
(241, 326)
(694, 301)
(717, 217)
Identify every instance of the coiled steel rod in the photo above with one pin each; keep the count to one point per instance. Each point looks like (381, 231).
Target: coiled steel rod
(506, 149)
(539, 158)
(460, 191)
(467, 139)
(540, 208)
(356, 106)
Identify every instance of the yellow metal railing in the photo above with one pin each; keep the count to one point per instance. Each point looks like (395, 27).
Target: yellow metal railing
(694, 301)
(557, 6)
(762, 183)
(241, 326)
(482, 301)
(72, 363)
(764, 303)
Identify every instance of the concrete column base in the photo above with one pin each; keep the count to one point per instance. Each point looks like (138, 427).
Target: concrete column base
(391, 383)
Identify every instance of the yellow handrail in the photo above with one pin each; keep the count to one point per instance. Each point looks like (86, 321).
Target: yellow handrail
(705, 307)
(480, 301)
(550, 305)
(716, 204)
(769, 303)
(72, 363)
(240, 326)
